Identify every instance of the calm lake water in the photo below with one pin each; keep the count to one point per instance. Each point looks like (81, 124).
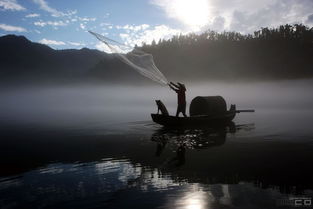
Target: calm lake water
(96, 147)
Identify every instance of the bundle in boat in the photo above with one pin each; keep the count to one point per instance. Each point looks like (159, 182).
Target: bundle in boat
(208, 105)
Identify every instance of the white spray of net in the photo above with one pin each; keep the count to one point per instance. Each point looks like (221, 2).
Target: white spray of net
(139, 60)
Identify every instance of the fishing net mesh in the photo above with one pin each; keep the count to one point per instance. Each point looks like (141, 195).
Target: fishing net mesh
(137, 59)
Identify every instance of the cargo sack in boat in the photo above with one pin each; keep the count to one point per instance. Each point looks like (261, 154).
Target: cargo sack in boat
(209, 105)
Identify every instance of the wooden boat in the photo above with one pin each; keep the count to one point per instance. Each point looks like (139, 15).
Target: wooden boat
(168, 120)
(203, 111)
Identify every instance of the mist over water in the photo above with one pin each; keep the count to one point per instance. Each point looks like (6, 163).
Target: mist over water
(89, 106)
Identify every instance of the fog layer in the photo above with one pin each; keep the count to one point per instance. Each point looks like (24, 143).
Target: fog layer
(82, 107)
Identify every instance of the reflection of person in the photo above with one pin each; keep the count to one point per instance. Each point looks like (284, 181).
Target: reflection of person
(160, 148)
(180, 89)
(180, 155)
(179, 159)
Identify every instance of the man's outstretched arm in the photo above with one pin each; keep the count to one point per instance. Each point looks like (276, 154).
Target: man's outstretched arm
(171, 86)
(176, 85)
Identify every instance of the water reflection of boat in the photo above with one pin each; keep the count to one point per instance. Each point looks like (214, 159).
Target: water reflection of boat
(191, 138)
(197, 138)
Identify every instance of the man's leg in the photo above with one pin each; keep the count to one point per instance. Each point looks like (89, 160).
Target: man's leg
(178, 109)
(184, 110)
(177, 112)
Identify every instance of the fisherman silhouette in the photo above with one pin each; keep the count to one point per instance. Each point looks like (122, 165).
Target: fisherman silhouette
(180, 89)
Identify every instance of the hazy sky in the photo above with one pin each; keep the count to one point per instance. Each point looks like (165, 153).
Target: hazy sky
(63, 24)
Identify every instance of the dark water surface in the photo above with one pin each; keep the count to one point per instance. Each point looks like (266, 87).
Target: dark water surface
(70, 148)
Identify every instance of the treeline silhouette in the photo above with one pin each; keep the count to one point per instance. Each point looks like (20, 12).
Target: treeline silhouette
(284, 52)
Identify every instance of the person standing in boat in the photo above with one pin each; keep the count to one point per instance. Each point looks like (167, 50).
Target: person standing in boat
(180, 89)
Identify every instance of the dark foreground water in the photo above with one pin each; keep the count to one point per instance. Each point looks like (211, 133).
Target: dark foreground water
(57, 152)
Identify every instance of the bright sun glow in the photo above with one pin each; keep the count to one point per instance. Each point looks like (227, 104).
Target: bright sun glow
(194, 13)
(195, 198)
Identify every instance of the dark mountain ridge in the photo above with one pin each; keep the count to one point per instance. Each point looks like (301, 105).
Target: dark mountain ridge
(269, 54)
(21, 57)
(26, 61)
